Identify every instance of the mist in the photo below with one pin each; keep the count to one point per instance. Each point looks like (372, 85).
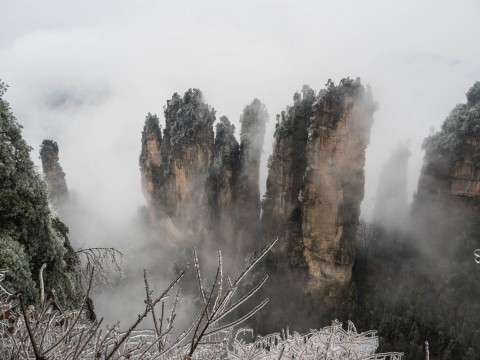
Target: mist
(86, 76)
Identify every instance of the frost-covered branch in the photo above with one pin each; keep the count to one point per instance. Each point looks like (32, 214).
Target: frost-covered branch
(27, 333)
(105, 262)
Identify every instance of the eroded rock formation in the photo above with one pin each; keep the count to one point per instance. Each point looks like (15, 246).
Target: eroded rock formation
(208, 187)
(222, 184)
(54, 175)
(448, 194)
(316, 184)
(253, 121)
(175, 167)
(150, 161)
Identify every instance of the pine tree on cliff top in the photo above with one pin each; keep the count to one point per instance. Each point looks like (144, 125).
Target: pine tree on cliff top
(462, 122)
(187, 117)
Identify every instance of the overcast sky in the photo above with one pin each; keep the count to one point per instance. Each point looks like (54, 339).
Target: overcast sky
(85, 73)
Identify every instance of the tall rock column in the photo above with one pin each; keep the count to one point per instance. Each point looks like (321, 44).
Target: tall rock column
(252, 133)
(150, 163)
(281, 206)
(187, 154)
(334, 184)
(175, 168)
(221, 187)
(316, 184)
(447, 201)
(54, 175)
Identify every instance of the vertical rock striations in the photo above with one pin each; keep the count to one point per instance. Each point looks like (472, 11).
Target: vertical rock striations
(253, 121)
(221, 185)
(175, 168)
(150, 163)
(54, 175)
(207, 187)
(187, 154)
(281, 206)
(316, 183)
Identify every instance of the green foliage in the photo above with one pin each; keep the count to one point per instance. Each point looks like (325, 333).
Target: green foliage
(13, 257)
(253, 120)
(49, 156)
(330, 101)
(410, 300)
(3, 88)
(227, 150)
(302, 108)
(48, 144)
(152, 123)
(473, 94)
(25, 218)
(186, 117)
(463, 122)
(323, 108)
(333, 95)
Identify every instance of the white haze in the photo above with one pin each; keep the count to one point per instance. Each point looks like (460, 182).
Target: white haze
(86, 73)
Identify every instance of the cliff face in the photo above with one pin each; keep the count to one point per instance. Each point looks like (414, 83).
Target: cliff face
(175, 167)
(222, 183)
(315, 183)
(252, 134)
(466, 171)
(54, 175)
(200, 182)
(448, 193)
(281, 205)
(150, 161)
(187, 152)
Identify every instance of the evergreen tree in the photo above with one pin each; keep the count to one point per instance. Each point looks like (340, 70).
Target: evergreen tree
(30, 236)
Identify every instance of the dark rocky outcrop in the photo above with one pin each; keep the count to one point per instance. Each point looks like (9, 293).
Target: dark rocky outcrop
(54, 175)
(447, 201)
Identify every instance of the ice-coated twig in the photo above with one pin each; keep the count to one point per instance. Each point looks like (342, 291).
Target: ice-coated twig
(42, 286)
(144, 314)
(199, 277)
(241, 320)
(242, 300)
(105, 261)
(72, 337)
(76, 318)
(220, 280)
(38, 354)
(148, 301)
